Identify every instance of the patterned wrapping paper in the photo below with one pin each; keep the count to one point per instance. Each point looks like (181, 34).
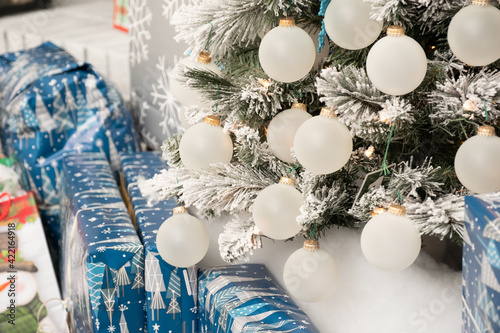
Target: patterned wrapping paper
(246, 298)
(51, 105)
(103, 257)
(481, 264)
(171, 292)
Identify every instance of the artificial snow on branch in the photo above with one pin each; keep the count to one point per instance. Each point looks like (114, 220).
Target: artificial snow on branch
(238, 240)
(361, 106)
(465, 99)
(229, 188)
(443, 217)
(235, 24)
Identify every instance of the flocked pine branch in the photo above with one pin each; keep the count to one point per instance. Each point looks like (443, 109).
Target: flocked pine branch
(229, 188)
(322, 200)
(471, 92)
(442, 217)
(238, 240)
(360, 106)
(236, 24)
(249, 99)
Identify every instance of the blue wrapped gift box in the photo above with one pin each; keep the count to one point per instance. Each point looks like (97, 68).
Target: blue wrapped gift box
(103, 257)
(171, 292)
(51, 105)
(481, 264)
(246, 298)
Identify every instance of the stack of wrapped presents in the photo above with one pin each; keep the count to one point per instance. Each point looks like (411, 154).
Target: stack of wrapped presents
(74, 162)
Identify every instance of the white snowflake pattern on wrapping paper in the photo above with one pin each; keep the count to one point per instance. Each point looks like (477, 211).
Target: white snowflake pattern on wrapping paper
(140, 20)
(163, 98)
(101, 249)
(171, 6)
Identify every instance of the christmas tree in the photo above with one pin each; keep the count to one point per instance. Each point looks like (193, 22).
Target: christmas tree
(404, 140)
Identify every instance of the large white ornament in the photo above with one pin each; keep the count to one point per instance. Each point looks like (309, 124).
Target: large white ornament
(188, 96)
(390, 240)
(477, 162)
(396, 64)
(276, 208)
(281, 130)
(310, 273)
(323, 144)
(474, 34)
(287, 53)
(348, 24)
(204, 144)
(182, 240)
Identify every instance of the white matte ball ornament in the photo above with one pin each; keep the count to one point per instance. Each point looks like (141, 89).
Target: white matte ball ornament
(276, 208)
(188, 96)
(287, 53)
(204, 144)
(310, 273)
(182, 240)
(281, 130)
(477, 162)
(473, 34)
(396, 64)
(348, 24)
(390, 241)
(323, 144)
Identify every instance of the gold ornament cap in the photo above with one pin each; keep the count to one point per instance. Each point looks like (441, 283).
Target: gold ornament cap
(180, 210)
(204, 58)
(397, 210)
(287, 181)
(395, 31)
(486, 130)
(300, 106)
(212, 120)
(327, 112)
(287, 22)
(311, 245)
(481, 2)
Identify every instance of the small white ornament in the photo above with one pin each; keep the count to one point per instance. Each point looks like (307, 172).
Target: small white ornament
(287, 53)
(396, 64)
(281, 130)
(323, 144)
(182, 240)
(390, 241)
(473, 34)
(204, 144)
(276, 208)
(188, 96)
(348, 24)
(310, 273)
(477, 162)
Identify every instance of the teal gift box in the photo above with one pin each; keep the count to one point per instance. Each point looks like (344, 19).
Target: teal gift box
(171, 292)
(102, 255)
(481, 264)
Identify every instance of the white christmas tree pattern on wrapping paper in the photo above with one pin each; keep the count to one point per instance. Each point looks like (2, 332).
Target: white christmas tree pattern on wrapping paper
(95, 275)
(95, 98)
(487, 275)
(174, 290)
(171, 6)
(164, 99)
(61, 115)
(154, 283)
(123, 321)
(45, 121)
(140, 18)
